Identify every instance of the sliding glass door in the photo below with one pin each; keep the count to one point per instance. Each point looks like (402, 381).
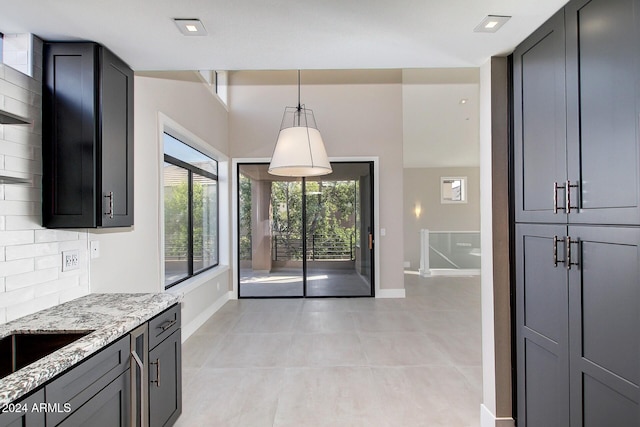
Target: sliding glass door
(305, 237)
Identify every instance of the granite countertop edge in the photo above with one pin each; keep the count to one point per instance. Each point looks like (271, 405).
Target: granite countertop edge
(108, 316)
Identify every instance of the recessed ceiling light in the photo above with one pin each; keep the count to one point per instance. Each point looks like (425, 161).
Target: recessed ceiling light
(491, 24)
(190, 27)
(464, 101)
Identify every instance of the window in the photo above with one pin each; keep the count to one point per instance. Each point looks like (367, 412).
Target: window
(190, 211)
(453, 189)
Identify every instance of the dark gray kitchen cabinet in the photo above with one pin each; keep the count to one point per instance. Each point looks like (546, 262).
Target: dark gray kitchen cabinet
(21, 413)
(577, 212)
(165, 368)
(165, 382)
(83, 389)
(604, 315)
(540, 122)
(108, 408)
(578, 349)
(542, 334)
(87, 145)
(576, 109)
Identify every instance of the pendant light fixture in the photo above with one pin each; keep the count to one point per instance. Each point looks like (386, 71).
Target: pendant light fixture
(299, 149)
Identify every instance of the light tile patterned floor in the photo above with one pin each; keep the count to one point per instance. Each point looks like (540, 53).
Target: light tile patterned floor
(340, 362)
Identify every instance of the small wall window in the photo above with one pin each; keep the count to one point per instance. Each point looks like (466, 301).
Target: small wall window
(190, 211)
(453, 189)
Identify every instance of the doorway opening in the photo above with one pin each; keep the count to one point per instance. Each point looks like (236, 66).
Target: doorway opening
(305, 237)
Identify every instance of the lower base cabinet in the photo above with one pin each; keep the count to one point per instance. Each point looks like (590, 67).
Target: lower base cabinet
(165, 382)
(20, 414)
(108, 408)
(98, 391)
(165, 368)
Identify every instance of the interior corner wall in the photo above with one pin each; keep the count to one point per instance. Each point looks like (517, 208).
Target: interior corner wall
(359, 113)
(130, 258)
(422, 189)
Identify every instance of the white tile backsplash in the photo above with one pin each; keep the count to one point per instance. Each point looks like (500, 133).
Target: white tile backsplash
(19, 281)
(25, 222)
(11, 268)
(31, 276)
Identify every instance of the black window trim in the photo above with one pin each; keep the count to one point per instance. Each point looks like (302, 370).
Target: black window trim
(191, 169)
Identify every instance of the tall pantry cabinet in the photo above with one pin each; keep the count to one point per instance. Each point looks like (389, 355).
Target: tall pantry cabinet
(577, 212)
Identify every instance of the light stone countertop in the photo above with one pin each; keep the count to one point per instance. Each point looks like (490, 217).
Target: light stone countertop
(109, 316)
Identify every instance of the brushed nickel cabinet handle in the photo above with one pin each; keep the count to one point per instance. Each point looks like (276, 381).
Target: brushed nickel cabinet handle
(568, 186)
(556, 261)
(557, 187)
(570, 242)
(110, 197)
(166, 325)
(157, 380)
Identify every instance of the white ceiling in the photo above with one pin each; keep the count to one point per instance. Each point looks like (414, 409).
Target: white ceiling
(281, 34)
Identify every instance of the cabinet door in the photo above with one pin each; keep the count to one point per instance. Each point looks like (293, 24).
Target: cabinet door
(26, 416)
(165, 382)
(116, 124)
(603, 94)
(540, 123)
(541, 328)
(108, 408)
(604, 304)
(69, 135)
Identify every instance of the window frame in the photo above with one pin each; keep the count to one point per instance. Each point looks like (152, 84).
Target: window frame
(191, 169)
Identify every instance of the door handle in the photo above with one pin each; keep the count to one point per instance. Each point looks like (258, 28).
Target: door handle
(568, 186)
(157, 380)
(110, 197)
(370, 241)
(570, 242)
(556, 261)
(557, 187)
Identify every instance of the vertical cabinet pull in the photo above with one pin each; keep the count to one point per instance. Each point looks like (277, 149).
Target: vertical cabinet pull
(157, 380)
(110, 197)
(567, 197)
(570, 242)
(568, 186)
(557, 187)
(556, 261)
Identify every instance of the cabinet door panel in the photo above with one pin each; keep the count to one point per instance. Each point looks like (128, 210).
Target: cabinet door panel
(108, 408)
(165, 382)
(69, 136)
(117, 140)
(603, 93)
(28, 418)
(540, 122)
(604, 318)
(541, 327)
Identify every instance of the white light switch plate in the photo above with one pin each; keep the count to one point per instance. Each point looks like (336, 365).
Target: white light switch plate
(94, 249)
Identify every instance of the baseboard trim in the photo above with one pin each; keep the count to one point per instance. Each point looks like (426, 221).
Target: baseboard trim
(454, 272)
(487, 419)
(391, 293)
(189, 329)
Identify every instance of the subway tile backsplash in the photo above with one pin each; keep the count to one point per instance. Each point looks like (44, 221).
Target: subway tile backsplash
(31, 276)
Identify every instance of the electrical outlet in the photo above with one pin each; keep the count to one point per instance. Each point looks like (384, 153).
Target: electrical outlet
(70, 260)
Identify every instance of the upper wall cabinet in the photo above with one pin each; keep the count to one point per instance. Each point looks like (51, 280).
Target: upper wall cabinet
(540, 122)
(577, 103)
(87, 144)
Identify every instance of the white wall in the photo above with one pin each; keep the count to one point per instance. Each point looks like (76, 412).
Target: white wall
(359, 114)
(130, 259)
(422, 187)
(31, 276)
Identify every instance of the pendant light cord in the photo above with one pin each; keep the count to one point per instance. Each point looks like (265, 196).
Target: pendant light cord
(299, 105)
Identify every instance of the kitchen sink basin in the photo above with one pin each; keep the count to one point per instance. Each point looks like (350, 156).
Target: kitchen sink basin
(21, 349)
